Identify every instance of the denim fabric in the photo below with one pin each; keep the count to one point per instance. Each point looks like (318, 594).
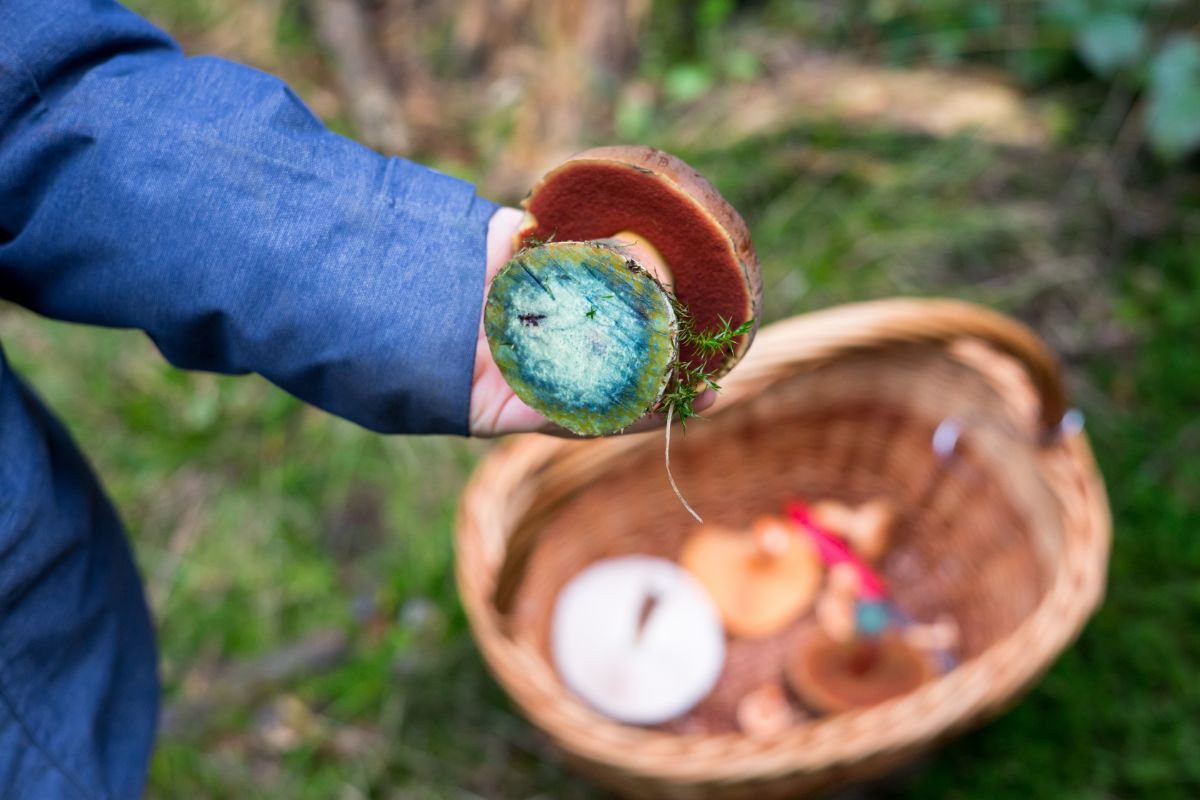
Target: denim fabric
(199, 201)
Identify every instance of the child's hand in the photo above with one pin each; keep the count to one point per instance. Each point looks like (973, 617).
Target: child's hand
(495, 410)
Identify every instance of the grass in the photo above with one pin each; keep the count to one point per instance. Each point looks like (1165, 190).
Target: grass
(258, 521)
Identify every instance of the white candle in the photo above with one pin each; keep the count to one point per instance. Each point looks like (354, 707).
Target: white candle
(638, 638)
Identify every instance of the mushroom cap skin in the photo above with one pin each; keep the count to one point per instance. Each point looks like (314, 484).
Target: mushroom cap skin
(633, 663)
(705, 244)
(582, 334)
(830, 676)
(757, 593)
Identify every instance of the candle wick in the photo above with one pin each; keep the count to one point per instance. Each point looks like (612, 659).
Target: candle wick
(649, 601)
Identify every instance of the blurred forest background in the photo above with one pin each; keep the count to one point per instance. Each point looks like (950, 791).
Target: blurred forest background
(1038, 157)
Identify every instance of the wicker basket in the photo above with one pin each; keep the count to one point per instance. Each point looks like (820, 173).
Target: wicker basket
(1007, 530)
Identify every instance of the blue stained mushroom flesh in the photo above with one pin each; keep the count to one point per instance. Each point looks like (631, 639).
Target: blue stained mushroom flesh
(582, 334)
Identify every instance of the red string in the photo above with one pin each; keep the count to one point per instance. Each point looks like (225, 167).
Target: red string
(834, 550)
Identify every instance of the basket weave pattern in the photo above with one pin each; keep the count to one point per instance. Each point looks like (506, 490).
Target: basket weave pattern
(1009, 535)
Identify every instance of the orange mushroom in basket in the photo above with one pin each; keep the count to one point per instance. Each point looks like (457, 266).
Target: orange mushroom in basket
(760, 582)
(831, 676)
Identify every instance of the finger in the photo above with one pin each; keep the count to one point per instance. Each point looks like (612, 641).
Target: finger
(502, 227)
(704, 400)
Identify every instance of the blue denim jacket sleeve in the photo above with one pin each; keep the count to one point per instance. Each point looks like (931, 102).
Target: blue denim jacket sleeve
(200, 201)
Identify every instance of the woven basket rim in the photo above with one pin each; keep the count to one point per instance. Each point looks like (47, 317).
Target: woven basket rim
(973, 690)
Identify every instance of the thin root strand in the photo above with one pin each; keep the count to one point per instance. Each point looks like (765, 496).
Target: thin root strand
(670, 477)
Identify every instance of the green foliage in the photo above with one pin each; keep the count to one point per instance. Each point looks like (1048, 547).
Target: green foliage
(688, 49)
(1137, 45)
(633, 117)
(685, 82)
(1173, 113)
(1108, 42)
(689, 380)
(292, 31)
(179, 16)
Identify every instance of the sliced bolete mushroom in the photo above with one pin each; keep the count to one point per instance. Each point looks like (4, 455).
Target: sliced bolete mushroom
(760, 582)
(831, 676)
(582, 334)
(665, 208)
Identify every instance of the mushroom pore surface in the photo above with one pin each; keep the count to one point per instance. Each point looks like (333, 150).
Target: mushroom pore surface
(586, 200)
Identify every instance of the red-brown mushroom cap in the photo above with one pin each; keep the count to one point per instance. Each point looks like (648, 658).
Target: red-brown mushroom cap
(833, 676)
(605, 191)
